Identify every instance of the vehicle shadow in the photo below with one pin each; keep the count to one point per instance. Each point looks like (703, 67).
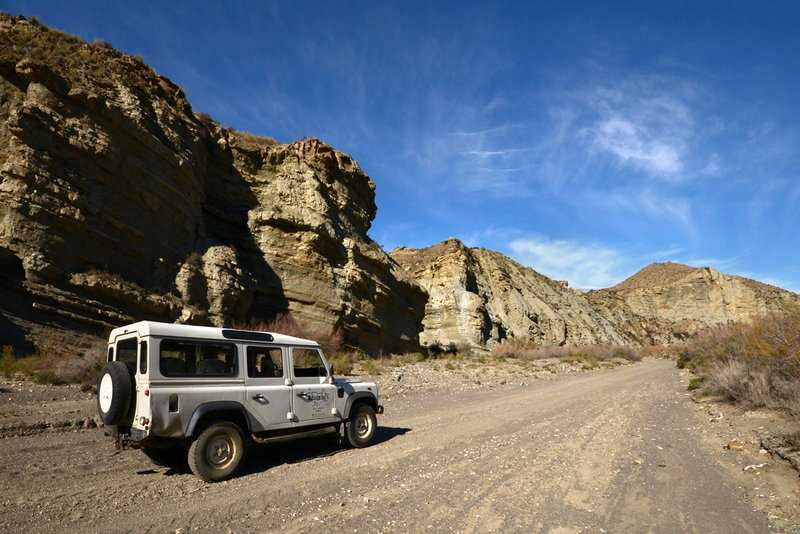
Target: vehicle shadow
(265, 456)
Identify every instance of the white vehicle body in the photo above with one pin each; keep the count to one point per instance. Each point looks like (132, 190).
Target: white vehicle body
(184, 376)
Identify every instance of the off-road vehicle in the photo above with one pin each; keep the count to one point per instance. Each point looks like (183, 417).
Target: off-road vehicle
(204, 393)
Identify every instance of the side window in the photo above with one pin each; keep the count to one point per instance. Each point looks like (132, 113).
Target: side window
(127, 350)
(307, 363)
(217, 359)
(177, 358)
(264, 362)
(186, 358)
(142, 357)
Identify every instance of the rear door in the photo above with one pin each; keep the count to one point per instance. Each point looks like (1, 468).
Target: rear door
(267, 395)
(314, 395)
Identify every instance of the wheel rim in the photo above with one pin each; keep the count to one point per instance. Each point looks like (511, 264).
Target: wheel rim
(221, 451)
(363, 425)
(105, 392)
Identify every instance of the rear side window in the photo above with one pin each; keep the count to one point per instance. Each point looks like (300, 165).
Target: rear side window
(308, 363)
(264, 362)
(188, 359)
(142, 357)
(127, 350)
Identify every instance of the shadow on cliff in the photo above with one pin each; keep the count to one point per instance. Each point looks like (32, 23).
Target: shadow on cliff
(229, 199)
(15, 304)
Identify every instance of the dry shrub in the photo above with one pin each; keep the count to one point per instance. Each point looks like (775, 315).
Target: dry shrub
(329, 338)
(754, 364)
(61, 357)
(526, 350)
(342, 363)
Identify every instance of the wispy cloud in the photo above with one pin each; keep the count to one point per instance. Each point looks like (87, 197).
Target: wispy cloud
(649, 203)
(642, 122)
(586, 266)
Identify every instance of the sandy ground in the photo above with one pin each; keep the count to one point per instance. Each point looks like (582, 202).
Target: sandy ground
(616, 450)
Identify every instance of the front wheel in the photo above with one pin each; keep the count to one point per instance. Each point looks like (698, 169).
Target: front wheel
(360, 430)
(217, 452)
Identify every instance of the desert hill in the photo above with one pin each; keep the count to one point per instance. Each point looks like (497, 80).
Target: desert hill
(667, 302)
(479, 297)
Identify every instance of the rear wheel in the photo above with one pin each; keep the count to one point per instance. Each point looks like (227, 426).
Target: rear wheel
(360, 430)
(217, 452)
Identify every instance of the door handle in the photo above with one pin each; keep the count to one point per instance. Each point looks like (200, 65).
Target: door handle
(260, 398)
(303, 395)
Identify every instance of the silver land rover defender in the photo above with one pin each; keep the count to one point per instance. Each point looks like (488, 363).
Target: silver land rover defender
(203, 393)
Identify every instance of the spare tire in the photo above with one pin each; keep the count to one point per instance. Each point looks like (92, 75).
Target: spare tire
(114, 393)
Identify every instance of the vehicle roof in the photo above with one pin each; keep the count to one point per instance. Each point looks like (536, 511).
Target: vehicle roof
(152, 328)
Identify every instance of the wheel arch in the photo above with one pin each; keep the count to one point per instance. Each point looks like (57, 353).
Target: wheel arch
(217, 411)
(360, 397)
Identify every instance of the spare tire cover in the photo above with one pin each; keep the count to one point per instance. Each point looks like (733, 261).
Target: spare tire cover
(114, 393)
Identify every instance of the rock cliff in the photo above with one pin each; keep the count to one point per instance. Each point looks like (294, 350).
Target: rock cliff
(118, 203)
(668, 302)
(479, 297)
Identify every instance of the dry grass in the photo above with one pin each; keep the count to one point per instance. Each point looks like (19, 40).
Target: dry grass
(755, 365)
(60, 358)
(329, 338)
(591, 354)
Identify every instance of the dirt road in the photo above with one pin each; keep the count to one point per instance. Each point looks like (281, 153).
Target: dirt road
(612, 451)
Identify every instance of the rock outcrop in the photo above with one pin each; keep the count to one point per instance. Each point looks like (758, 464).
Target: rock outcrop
(479, 297)
(668, 302)
(118, 203)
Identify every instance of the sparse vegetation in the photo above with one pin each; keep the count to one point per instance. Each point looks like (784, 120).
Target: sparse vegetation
(372, 367)
(591, 355)
(755, 365)
(342, 363)
(329, 338)
(696, 383)
(61, 358)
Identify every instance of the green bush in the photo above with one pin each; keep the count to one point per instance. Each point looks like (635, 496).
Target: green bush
(696, 383)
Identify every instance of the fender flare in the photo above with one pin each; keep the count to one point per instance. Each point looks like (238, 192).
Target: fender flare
(360, 396)
(209, 408)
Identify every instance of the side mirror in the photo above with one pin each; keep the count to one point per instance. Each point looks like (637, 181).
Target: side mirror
(332, 371)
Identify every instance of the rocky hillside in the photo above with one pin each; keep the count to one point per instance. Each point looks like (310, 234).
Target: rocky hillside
(118, 203)
(667, 302)
(478, 298)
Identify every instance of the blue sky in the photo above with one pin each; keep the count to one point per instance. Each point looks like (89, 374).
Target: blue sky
(584, 140)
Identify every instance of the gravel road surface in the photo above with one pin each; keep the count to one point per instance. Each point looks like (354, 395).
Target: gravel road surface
(614, 450)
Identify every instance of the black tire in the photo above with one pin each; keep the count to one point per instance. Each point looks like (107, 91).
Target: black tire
(114, 393)
(217, 452)
(167, 457)
(360, 429)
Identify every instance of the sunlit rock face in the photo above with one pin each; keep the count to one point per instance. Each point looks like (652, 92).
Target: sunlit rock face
(478, 298)
(119, 203)
(668, 302)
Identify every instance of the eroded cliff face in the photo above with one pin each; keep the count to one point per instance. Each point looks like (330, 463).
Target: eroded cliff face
(478, 298)
(118, 203)
(669, 302)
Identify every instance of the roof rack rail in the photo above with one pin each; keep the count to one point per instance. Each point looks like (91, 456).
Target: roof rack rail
(246, 335)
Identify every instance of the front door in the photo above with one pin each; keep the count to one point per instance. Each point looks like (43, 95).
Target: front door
(314, 395)
(268, 397)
